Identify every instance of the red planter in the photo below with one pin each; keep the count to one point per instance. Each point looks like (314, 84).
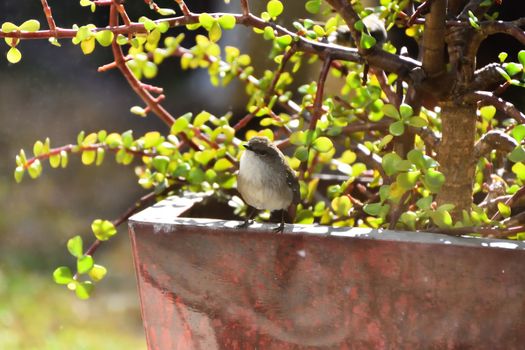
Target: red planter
(206, 285)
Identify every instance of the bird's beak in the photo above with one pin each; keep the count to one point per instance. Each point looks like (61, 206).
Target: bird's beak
(245, 145)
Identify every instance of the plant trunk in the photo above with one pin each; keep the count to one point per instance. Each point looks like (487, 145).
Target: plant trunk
(455, 156)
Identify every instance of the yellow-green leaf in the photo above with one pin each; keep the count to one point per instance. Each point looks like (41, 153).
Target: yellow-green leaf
(88, 45)
(14, 55)
(31, 25)
(504, 209)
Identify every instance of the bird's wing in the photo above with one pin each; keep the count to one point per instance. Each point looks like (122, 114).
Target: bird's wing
(292, 181)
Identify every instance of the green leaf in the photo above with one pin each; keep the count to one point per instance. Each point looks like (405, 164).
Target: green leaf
(417, 122)
(301, 153)
(104, 37)
(54, 41)
(74, 246)
(409, 219)
(196, 176)
(148, 23)
(390, 162)
(518, 132)
(322, 144)
(367, 41)
(88, 157)
(38, 147)
(373, 209)
(298, 138)
(341, 205)
(268, 33)
(222, 165)
(88, 46)
(138, 111)
(150, 70)
(84, 263)
(103, 229)
(487, 112)
(305, 217)
(502, 56)
(227, 22)
(63, 159)
(8, 27)
(391, 111)
(424, 203)
(35, 169)
(14, 55)
(442, 218)
(408, 180)
(406, 111)
(433, 180)
(201, 119)
(504, 209)
(97, 272)
(215, 32)
(152, 139)
(180, 124)
(397, 128)
(313, 6)
(62, 275)
(521, 57)
(100, 156)
(206, 20)
(519, 170)
(284, 40)
(274, 8)
(31, 25)
(161, 163)
(166, 12)
(517, 155)
(83, 290)
(513, 68)
(19, 173)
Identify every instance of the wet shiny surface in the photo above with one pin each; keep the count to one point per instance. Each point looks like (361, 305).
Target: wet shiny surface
(205, 285)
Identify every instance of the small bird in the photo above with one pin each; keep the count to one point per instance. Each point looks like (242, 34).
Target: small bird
(265, 180)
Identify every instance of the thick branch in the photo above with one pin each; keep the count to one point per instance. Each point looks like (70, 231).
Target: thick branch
(434, 38)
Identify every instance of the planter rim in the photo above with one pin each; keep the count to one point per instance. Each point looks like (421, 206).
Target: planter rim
(166, 214)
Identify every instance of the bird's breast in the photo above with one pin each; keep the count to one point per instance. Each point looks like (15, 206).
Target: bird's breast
(260, 185)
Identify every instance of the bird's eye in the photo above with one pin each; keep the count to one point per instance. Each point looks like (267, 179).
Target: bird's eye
(262, 153)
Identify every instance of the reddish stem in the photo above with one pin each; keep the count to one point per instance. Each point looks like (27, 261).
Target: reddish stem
(318, 101)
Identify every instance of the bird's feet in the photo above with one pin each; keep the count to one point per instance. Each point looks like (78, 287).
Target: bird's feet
(279, 229)
(245, 224)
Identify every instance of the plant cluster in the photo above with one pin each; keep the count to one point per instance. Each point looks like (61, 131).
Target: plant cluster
(402, 144)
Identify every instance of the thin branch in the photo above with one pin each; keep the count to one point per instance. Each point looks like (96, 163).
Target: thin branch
(348, 14)
(245, 7)
(184, 8)
(402, 66)
(491, 232)
(422, 9)
(286, 57)
(135, 84)
(136, 207)
(318, 101)
(49, 15)
(511, 201)
(503, 106)
(79, 149)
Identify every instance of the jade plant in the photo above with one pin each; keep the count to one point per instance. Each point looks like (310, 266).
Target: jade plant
(401, 143)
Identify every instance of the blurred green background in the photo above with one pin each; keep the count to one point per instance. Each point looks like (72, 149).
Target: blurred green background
(57, 92)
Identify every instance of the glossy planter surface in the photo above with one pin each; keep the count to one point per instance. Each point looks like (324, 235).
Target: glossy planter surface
(205, 285)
